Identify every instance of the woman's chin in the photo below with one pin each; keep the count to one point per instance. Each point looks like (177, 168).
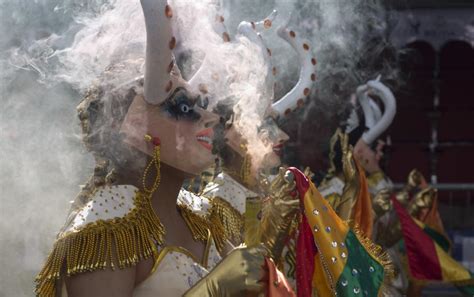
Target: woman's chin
(190, 162)
(271, 160)
(188, 169)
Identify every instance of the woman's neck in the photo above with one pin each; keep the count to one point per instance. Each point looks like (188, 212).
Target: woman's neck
(233, 167)
(164, 203)
(164, 197)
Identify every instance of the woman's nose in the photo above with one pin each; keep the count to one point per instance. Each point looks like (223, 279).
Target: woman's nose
(283, 137)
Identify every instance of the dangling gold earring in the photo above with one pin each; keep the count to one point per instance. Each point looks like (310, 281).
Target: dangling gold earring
(155, 162)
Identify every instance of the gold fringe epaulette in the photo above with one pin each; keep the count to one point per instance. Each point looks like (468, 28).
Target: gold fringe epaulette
(378, 254)
(121, 242)
(198, 225)
(231, 220)
(223, 221)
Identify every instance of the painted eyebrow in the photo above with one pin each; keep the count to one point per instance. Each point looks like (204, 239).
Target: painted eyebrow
(172, 98)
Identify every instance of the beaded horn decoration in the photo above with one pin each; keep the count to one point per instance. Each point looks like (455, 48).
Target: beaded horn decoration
(162, 76)
(296, 97)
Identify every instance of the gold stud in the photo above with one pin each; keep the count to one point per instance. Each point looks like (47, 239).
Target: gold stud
(292, 34)
(267, 23)
(170, 66)
(168, 11)
(172, 43)
(305, 46)
(226, 37)
(300, 102)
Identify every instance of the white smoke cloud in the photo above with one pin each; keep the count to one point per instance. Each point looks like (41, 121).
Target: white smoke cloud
(52, 50)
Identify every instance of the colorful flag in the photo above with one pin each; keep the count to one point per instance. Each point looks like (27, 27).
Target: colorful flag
(427, 260)
(362, 215)
(433, 225)
(332, 258)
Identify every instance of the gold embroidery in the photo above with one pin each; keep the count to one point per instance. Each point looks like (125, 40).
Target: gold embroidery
(375, 178)
(197, 224)
(131, 239)
(168, 249)
(222, 213)
(205, 259)
(377, 253)
(223, 222)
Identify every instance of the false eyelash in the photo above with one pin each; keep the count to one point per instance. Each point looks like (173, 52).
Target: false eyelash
(175, 106)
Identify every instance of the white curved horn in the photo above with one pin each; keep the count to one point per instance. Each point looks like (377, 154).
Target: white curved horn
(159, 63)
(219, 24)
(374, 107)
(252, 30)
(266, 23)
(390, 106)
(302, 89)
(364, 102)
(221, 30)
(375, 111)
(372, 112)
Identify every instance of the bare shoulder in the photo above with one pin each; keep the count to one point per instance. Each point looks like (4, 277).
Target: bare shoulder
(118, 282)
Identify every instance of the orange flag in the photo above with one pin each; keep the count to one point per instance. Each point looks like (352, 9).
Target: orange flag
(362, 215)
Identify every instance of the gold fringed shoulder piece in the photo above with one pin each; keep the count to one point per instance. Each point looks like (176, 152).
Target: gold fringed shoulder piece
(124, 241)
(222, 220)
(197, 224)
(378, 254)
(232, 221)
(200, 227)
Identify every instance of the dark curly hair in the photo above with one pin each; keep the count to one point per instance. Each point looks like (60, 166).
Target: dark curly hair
(101, 113)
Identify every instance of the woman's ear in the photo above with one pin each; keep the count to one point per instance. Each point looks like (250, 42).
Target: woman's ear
(134, 126)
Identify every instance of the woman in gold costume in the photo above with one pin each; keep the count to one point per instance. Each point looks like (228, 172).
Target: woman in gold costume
(124, 235)
(242, 165)
(236, 196)
(342, 184)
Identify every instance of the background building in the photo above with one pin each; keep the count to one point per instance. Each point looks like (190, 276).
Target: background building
(433, 129)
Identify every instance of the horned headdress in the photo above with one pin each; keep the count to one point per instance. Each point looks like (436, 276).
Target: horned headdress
(162, 75)
(376, 122)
